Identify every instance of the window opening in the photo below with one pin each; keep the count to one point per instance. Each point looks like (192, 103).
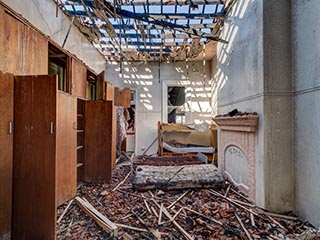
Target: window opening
(58, 63)
(91, 86)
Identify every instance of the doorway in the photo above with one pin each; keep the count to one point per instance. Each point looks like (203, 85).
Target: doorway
(131, 123)
(176, 96)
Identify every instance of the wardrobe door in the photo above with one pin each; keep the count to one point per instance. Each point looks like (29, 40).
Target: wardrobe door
(6, 152)
(34, 198)
(66, 149)
(98, 141)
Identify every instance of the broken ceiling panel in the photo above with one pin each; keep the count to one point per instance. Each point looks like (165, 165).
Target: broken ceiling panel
(150, 30)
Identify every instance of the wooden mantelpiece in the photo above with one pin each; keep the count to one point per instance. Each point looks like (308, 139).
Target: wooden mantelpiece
(236, 150)
(247, 123)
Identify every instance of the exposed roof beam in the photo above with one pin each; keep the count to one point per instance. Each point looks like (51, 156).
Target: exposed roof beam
(194, 26)
(170, 25)
(172, 2)
(152, 2)
(155, 16)
(154, 44)
(161, 36)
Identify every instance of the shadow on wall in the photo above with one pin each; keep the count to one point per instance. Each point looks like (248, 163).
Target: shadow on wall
(225, 54)
(136, 76)
(148, 78)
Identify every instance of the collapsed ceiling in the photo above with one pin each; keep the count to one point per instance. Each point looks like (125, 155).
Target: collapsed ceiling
(150, 30)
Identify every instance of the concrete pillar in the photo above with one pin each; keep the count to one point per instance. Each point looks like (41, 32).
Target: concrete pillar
(277, 106)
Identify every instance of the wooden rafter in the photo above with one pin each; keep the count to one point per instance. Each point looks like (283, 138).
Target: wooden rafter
(121, 30)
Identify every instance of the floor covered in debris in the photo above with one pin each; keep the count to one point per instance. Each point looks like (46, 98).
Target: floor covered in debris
(176, 214)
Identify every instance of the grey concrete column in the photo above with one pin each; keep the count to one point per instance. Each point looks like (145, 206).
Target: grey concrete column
(277, 106)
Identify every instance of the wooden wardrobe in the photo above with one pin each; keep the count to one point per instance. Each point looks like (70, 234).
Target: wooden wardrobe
(6, 152)
(44, 172)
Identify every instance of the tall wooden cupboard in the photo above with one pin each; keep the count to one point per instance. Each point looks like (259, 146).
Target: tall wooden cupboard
(98, 141)
(44, 172)
(6, 152)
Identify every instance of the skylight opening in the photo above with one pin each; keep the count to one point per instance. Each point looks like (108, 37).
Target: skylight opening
(68, 7)
(182, 22)
(183, 9)
(207, 21)
(206, 30)
(79, 8)
(168, 9)
(195, 21)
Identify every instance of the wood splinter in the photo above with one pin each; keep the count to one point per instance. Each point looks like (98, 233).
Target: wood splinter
(65, 211)
(243, 227)
(100, 219)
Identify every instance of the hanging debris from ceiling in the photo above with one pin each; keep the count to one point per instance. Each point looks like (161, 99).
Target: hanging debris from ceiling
(149, 30)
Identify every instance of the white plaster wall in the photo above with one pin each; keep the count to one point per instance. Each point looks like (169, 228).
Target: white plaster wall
(306, 39)
(239, 79)
(148, 80)
(42, 14)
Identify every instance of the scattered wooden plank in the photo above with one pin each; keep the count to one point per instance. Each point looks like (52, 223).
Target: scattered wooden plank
(203, 223)
(122, 182)
(244, 203)
(70, 226)
(252, 220)
(130, 227)
(85, 230)
(227, 192)
(179, 199)
(138, 196)
(233, 202)
(154, 212)
(181, 229)
(281, 216)
(177, 213)
(65, 211)
(101, 220)
(125, 155)
(277, 223)
(243, 227)
(154, 232)
(147, 205)
(241, 195)
(200, 214)
(160, 214)
(274, 237)
(155, 202)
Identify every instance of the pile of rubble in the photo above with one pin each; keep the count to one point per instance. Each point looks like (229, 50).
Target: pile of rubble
(180, 214)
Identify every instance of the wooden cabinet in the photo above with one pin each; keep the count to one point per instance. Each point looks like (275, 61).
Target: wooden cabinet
(6, 152)
(109, 94)
(98, 141)
(122, 97)
(22, 49)
(100, 86)
(78, 78)
(66, 142)
(44, 172)
(80, 138)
